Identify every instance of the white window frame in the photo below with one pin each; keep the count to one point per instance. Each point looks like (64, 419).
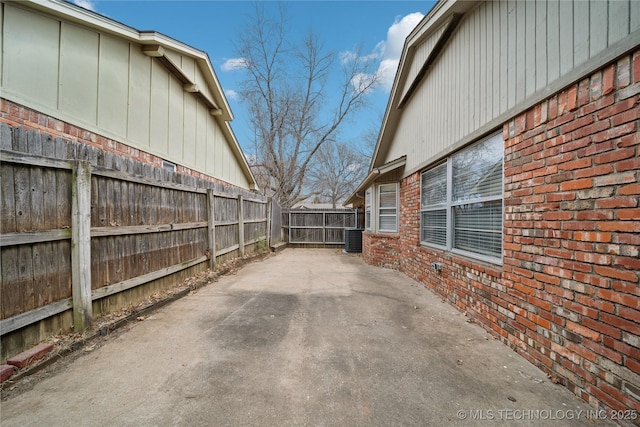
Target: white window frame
(395, 207)
(436, 207)
(450, 205)
(168, 166)
(367, 209)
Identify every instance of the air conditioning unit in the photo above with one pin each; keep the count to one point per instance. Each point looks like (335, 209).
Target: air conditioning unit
(353, 240)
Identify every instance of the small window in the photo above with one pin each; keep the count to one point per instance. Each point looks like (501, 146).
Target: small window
(388, 208)
(168, 166)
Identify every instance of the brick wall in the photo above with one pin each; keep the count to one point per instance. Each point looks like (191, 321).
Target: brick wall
(567, 297)
(572, 234)
(16, 115)
(381, 249)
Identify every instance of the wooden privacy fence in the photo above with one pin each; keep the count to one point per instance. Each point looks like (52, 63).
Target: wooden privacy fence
(321, 226)
(73, 233)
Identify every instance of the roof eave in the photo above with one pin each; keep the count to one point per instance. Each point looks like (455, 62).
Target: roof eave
(373, 174)
(441, 11)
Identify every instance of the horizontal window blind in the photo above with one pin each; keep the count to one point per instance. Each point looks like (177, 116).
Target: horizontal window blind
(434, 186)
(434, 227)
(388, 207)
(477, 171)
(367, 209)
(387, 222)
(478, 227)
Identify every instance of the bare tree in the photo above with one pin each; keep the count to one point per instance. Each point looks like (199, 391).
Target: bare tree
(337, 172)
(369, 139)
(286, 92)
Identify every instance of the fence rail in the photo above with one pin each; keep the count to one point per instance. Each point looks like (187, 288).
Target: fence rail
(74, 233)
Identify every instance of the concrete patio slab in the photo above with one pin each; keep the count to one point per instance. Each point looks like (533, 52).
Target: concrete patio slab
(306, 337)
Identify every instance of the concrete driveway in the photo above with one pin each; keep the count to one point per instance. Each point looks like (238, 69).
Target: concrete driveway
(306, 337)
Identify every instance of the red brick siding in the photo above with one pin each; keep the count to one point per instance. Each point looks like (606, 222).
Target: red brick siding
(16, 115)
(381, 249)
(567, 297)
(571, 233)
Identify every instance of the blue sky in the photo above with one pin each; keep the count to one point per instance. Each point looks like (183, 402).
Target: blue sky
(379, 27)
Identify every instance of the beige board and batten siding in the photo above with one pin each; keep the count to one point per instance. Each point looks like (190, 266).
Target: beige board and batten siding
(502, 56)
(105, 83)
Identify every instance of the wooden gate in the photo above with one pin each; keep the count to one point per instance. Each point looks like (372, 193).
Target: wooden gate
(321, 226)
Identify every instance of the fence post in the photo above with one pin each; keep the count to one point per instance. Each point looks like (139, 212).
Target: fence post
(241, 224)
(268, 230)
(324, 228)
(81, 246)
(211, 228)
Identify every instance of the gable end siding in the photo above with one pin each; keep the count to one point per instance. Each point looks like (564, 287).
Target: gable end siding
(107, 85)
(503, 57)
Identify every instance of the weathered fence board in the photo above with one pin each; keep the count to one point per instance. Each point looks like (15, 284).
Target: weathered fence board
(33, 316)
(143, 229)
(211, 229)
(22, 201)
(7, 205)
(255, 221)
(81, 246)
(275, 223)
(27, 237)
(74, 233)
(11, 295)
(145, 278)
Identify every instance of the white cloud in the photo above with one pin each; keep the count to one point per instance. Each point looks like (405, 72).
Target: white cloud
(234, 64)
(87, 4)
(389, 50)
(362, 81)
(387, 72)
(347, 56)
(350, 55)
(392, 49)
(231, 94)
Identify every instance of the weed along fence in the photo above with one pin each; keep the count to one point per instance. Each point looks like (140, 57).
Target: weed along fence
(80, 240)
(318, 227)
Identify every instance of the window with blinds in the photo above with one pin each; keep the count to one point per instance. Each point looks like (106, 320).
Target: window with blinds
(433, 228)
(388, 208)
(461, 201)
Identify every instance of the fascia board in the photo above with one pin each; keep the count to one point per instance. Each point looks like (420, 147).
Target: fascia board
(375, 173)
(76, 14)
